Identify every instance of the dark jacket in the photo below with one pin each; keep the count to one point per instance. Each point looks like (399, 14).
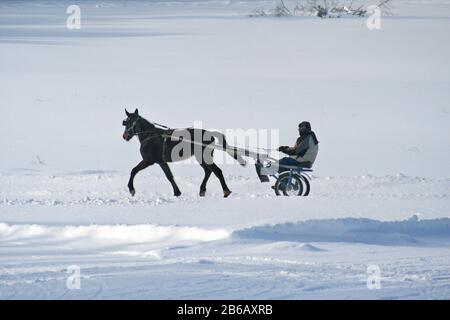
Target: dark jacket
(305, 148)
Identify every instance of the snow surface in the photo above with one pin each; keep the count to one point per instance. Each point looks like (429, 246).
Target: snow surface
(251, 245)
(378, 101)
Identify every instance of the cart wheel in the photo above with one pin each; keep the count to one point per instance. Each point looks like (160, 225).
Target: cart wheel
(307, 187)
(283, 186)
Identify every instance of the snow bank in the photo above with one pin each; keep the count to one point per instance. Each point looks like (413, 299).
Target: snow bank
(91, 237)
(353, 230)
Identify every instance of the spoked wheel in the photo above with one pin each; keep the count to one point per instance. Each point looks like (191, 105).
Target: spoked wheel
(307, 186)
(289, 185)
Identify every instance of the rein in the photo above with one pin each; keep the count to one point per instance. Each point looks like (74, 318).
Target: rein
(131, 131)
(243, 150)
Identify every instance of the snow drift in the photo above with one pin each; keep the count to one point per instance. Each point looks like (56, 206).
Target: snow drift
(353, 230)
(101, 237)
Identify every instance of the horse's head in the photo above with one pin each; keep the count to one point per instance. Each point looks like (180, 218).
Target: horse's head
(131, 124)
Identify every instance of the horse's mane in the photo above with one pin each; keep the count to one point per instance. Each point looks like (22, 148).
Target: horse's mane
(147, 123)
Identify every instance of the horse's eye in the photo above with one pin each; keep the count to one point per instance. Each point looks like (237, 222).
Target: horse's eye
(124, 122)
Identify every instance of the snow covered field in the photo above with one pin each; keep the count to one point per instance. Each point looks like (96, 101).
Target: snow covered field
(378, 101)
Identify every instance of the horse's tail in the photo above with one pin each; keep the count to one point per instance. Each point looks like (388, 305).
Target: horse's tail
(232, 151)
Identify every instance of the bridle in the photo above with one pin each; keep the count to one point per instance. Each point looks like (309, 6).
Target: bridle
(131, 130)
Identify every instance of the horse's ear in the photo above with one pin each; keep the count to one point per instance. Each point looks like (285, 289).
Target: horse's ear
(136, 112)
(127, 113)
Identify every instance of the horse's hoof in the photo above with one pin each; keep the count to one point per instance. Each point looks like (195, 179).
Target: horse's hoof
(177, 194)
(202, 193)
(132, 193)
(226, 193)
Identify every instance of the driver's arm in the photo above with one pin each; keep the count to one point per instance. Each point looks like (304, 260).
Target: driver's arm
(299, 148)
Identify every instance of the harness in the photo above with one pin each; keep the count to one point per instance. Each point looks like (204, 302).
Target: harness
(167, 134)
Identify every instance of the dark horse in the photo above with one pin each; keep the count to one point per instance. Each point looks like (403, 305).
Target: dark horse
(162, 146)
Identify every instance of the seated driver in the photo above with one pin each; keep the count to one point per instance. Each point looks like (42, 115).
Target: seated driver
(304, 152)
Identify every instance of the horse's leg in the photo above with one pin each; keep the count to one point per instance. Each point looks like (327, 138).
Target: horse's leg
(169, 175)
(205, 179)
(219, 175)
(141, 166)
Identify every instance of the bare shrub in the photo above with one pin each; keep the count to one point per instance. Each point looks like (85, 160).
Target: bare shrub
(322, 9)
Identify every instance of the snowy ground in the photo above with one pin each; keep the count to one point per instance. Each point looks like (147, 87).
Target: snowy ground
(378, 101)
(252, 245)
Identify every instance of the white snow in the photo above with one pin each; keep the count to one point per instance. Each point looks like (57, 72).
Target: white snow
(378, 101)
(251, 245)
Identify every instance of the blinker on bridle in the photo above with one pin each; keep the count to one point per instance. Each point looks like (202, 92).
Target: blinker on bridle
(130, 131)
